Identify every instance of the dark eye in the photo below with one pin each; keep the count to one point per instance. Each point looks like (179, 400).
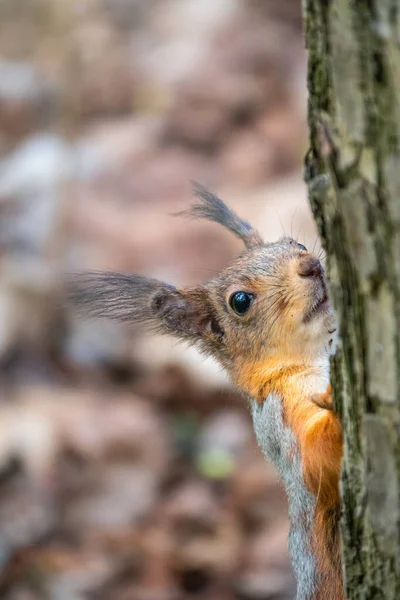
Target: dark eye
(240, 302)
(302, 247)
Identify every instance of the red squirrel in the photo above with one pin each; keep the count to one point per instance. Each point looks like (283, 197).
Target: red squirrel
(268, 321)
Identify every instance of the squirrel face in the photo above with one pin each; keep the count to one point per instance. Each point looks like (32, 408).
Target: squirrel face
(270, 303)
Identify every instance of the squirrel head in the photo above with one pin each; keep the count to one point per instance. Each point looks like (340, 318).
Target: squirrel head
(271, 303)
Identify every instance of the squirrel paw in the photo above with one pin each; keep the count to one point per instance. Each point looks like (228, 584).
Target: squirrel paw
(324, 400)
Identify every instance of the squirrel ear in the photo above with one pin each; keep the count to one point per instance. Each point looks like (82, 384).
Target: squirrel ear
(134, 299)
(187, 314)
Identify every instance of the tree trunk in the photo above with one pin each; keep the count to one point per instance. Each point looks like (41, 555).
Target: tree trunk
(353, 174)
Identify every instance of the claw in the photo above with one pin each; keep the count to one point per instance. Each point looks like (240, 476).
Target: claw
(325, 400)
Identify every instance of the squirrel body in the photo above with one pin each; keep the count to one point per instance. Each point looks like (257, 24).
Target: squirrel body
(304, 442)
(268, 321)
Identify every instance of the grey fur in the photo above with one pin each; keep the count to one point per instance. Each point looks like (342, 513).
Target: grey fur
(121, 296)
(279, 445)
(210, 207)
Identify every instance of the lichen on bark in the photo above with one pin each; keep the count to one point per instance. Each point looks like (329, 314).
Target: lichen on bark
(353, 173)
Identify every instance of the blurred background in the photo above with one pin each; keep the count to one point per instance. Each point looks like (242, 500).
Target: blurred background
(128, 465)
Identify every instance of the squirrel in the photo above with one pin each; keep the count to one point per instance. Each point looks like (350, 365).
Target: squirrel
(267, 319)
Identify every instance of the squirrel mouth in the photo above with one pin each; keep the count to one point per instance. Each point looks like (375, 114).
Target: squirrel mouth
(321, 305)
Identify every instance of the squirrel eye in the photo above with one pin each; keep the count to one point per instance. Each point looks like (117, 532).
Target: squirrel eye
(302, 247)
(240, 302)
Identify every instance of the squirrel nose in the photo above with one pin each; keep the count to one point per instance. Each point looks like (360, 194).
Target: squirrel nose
(309, 267)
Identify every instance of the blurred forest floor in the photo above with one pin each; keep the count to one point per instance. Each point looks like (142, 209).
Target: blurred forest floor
(128, 465)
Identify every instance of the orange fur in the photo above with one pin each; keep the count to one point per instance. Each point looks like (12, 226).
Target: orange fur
(319, 435)
(324, 400)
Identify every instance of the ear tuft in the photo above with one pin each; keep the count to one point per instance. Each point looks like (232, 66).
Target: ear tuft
(119, 296)
(212, 208)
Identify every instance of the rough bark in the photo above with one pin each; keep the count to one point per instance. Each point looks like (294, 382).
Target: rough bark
(353, 174)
